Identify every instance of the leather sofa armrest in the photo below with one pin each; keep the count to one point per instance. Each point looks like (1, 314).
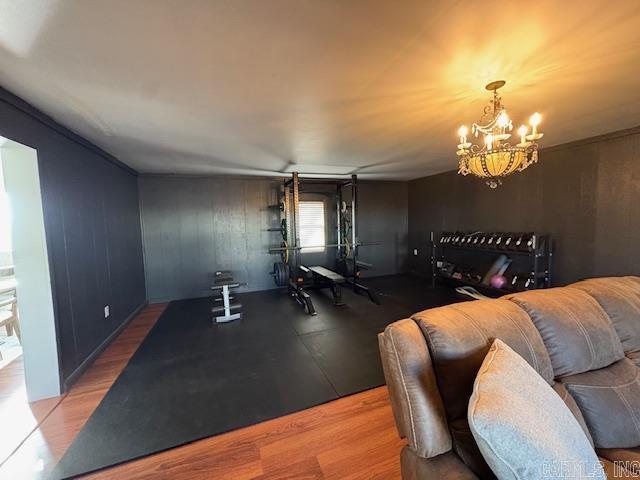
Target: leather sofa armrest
(415, 399)
(447, 466)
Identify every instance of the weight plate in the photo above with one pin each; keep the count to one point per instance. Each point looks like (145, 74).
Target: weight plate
(284, 254)
(277, 273)
(280, 274)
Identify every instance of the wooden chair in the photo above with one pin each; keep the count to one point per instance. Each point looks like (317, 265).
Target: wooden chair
(7, 270)
(9, 315)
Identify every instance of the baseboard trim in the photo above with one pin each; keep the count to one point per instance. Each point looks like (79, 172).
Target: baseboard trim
(77, 373)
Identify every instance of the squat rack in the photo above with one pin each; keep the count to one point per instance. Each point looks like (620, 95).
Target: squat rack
(297, 277)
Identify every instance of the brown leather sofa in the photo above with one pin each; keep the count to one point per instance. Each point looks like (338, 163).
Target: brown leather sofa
(584, 340)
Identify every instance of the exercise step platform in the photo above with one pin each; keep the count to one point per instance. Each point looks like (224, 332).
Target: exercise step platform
(328, 274)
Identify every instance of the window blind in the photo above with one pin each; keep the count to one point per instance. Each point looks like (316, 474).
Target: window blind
(311, 223)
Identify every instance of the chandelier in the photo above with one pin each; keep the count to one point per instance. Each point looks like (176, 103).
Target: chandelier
(496, 158)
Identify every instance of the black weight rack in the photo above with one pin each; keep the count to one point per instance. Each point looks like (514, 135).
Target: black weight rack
(463, 258)
(290, 271)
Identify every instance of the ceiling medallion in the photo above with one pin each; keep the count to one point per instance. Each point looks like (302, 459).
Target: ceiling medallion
(496, 158)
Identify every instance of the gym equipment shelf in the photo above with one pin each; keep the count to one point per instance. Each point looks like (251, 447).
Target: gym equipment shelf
(464, 258)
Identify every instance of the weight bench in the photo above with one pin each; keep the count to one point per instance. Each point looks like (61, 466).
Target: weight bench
(223, 284)
(331, 279)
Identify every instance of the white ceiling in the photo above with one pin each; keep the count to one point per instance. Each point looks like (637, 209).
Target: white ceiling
(319, 86)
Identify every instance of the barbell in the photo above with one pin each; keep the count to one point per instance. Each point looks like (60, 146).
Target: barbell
(357, 244)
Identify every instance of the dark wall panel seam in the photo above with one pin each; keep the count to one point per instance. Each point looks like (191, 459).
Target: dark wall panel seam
(69, 296)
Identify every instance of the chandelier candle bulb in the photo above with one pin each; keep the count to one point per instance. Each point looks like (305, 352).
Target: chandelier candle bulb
(462, 131)
(522, 131)
(534, 121)
(488, 140)
(503, 121)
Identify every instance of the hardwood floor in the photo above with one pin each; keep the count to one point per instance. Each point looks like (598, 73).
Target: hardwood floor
(42, 449)
(353, 437)
(18, 418)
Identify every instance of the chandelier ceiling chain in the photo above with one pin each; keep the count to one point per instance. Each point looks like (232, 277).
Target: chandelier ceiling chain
(496, 158)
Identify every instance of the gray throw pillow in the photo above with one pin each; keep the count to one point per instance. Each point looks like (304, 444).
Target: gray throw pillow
(523, 428)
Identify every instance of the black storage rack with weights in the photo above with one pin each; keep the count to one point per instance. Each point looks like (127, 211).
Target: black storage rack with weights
(466, 258)
(298, 278)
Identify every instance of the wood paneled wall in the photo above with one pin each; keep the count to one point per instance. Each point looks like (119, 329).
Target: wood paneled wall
(196, 225)
(92, 223)
(383, 217)
(585, 194)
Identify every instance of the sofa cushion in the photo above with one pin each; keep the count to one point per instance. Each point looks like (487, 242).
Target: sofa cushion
(571, 404)
(609, 399)
(577, 332)
(459, 337)
(443, 467)
(628, 458)
(516, 440)
(467, 449)
(465, 445)
(620, 298)
(417, 406)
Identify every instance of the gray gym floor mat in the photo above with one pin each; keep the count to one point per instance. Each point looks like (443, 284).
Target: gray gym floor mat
(192, 379)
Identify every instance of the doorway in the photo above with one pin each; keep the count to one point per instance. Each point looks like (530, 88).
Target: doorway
(29, 373)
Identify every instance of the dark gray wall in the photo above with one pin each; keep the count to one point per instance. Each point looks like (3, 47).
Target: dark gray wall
(586, 194)
(92, 225)
(196, 225)
(382, 216)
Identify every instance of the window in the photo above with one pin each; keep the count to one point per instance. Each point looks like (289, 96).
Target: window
(311, 226)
